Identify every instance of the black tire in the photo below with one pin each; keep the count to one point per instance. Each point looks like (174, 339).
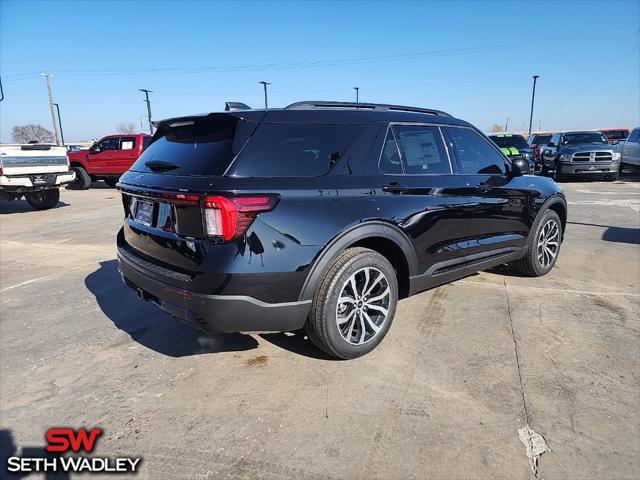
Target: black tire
(43, 199)
(544, 170)
(530, 264)
(82, 181)
(322, 325)
(111, 181)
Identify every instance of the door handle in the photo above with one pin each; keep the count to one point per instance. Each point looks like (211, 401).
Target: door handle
(395, 187)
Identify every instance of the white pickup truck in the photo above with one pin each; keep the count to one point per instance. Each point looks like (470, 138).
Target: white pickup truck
(36, 171)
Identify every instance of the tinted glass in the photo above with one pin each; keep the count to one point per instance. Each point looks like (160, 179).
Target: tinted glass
(204, 148)
(540, 139)
(127, 143)
(587, 137)
(616, 134)
(507, 141)
(475, 154)
(292, 150)
(109, 144)
(422, 150)
(390, 158)
(635, 136)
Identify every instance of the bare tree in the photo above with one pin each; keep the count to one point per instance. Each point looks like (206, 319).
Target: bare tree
(496, 127)
(126, 127)
(31, 133)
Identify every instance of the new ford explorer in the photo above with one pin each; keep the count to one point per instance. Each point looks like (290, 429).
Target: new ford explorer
(322, 215)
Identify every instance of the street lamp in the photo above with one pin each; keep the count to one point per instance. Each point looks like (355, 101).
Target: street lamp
(357, 89)
(264, 84)
(533, 96)
(59, 122)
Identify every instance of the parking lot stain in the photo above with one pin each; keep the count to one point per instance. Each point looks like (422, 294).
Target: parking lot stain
(259, 361)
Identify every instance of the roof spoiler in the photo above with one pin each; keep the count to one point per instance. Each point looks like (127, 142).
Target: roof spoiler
(232, 106)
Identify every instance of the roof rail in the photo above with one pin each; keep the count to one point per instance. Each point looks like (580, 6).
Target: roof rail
(310, 105)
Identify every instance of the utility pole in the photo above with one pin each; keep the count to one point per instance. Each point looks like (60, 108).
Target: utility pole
(264, 84)
(60, 123)
(533, 96)
(51, 104)
(357, 89)
(146, 95)
(506, 125)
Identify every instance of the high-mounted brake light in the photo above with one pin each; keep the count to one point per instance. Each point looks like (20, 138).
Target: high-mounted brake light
(230, 217)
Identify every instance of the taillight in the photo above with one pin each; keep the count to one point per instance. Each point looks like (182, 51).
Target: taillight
(230, 217)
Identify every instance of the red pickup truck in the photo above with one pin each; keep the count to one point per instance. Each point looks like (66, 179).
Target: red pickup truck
(107, 159)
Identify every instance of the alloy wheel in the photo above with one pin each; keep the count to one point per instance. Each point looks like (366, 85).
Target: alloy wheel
(548, 243)
(363, 306)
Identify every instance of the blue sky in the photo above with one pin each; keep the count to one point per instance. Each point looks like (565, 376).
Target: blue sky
(472, 59)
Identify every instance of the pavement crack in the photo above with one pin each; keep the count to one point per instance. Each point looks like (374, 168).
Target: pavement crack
(534, 443)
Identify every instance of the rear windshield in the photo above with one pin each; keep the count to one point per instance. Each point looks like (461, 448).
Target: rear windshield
(507, 141)
(203, 148)
(295, 150)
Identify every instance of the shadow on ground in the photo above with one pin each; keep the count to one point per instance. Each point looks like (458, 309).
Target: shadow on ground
(9, 449)
(148, 325)
(616, 234)
(21, 206)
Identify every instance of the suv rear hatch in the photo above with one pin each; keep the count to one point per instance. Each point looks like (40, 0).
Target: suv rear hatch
(198, 185)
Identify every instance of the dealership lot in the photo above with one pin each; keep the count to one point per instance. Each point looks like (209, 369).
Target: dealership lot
(463, 368)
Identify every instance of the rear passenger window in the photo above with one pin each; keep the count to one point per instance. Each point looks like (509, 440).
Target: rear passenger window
(422, 150)
(127, 143)
(390, 159)
(475, 154)
(290, 150)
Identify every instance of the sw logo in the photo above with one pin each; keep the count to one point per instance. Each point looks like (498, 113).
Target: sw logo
(64, 440)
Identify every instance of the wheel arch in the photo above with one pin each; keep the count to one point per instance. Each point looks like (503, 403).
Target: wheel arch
(383, 237)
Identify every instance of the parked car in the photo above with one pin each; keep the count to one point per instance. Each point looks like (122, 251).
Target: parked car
(35, 171)
(536, 141)
(107, 159)
(631, 149)
(513, 145)
(580, 153)
(615, 135)
(322, 215)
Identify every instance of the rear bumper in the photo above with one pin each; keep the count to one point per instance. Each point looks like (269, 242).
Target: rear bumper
(24, 182)
(588, 168)
(213, 313)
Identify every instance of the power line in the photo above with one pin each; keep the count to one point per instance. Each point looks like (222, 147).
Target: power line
(284, 66)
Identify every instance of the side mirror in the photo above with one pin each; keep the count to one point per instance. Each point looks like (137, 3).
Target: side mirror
(519, 167)
(94, 149)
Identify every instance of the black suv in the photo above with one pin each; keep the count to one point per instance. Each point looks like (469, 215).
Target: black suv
(322, 215)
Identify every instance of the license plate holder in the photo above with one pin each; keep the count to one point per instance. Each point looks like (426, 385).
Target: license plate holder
(591, 168)
(144, 212)
(40, 179)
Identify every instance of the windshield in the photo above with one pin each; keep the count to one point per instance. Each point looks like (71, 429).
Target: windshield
(617, 134)
(540, 139)
(506, 141)
(587, 137)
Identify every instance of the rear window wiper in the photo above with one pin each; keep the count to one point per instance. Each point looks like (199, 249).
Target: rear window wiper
(160, 165)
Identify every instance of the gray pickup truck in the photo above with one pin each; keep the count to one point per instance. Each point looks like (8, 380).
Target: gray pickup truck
(580, 153)
(35, 171)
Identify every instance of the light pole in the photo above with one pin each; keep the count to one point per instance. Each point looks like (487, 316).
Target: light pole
(357, 89)
(53, 113)
(146, 95)
(533, 97)
(59, 122)
(264, 84)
